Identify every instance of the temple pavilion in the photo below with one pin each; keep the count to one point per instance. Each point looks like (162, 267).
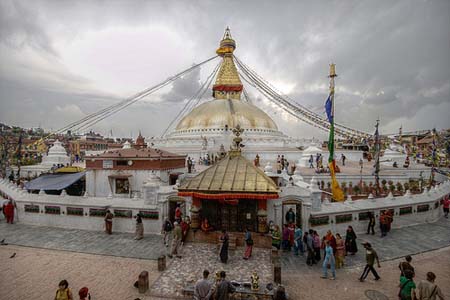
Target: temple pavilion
(231, 194)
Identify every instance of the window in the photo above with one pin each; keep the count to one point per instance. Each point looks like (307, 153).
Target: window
(121, 163)
(122, 186)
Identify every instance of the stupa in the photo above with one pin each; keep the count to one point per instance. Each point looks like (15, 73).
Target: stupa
(208, 126)
(57, 154)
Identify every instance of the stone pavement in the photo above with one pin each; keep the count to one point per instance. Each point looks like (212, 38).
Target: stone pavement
(307, 284)
(35, 273)
(197, 257)
(398, 243)
(94, 242)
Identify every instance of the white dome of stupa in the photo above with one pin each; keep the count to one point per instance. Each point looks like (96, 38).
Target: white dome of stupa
(126, 145)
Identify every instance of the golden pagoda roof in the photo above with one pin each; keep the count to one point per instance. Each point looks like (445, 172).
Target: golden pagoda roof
(233, 173)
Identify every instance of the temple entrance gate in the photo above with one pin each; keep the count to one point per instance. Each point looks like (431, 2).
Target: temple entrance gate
(231, 215)
(173, 202)
(296, 206)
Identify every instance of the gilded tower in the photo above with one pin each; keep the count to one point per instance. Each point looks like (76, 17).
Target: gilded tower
(228, 84)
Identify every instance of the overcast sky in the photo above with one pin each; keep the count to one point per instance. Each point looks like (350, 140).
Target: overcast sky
(61, 60)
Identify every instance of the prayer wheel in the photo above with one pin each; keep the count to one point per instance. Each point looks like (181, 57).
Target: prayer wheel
(262, 221)
(195, 218)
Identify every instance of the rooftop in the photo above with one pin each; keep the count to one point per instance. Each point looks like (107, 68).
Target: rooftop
(233, 173)
(138, 153)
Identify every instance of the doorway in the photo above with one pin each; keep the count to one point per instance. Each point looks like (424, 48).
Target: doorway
(296, 206)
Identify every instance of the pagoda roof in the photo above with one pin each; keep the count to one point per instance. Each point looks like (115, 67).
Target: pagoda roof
(233, 173)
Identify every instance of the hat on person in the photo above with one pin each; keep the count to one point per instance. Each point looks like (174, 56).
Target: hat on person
(175, 223)
(367, 244)
(83, 293)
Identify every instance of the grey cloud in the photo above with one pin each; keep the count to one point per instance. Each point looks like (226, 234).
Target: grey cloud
(392, 57)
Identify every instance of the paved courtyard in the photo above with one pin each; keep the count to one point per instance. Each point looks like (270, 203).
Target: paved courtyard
(94, 242)
(110, 264)
(398, 243)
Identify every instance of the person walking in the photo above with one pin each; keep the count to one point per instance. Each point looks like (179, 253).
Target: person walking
(317, 244)
(63, 292)
(407, 286)
(330, 237)
(445, 206)
(428, 290)
(249, 244)
(224, 288)
(285, 244)
(406, 265)
(185, 226)
(8, 210)
(350, 241)
(224, 239)
(328, 261)
(298, 244)
(83, 293)
(166, 230)
(310, 248)
(389, 219)
(276, 237)
(176, 240)
(383, 224)
(178, 214)
(340, 251)
(311, 162)
(371, 224)
(139, 234)
(108, 221)
(371, 256)
(203, 289)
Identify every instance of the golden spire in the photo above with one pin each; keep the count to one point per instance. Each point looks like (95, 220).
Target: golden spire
(228, 85)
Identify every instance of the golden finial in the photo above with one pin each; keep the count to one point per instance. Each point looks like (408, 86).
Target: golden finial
(227, 44)
(332, 70)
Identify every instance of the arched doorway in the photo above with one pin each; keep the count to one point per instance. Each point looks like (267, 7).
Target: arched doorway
(173, 202)
(296, 206)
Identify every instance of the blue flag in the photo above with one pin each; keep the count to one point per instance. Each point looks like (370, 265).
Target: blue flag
(329, 109)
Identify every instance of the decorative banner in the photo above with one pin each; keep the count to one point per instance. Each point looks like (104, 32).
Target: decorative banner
(228, 196)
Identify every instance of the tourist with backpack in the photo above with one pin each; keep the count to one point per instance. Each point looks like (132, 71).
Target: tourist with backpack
(407, 286)
(428, 290)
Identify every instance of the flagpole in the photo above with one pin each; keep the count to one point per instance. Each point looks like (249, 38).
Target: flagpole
(332, 76)
(377, 160)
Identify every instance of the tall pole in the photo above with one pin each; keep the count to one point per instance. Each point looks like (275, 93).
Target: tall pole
(433, 157)
(332, 76)
(377, 157)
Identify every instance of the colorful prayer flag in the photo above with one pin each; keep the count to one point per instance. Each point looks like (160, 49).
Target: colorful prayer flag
(338, 194)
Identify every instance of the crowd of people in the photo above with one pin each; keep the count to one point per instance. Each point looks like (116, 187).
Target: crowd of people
(221, 288)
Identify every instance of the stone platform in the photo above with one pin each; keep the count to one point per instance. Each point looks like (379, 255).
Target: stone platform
(185, 271)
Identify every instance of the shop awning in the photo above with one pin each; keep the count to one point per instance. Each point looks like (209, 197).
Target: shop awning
(54, 181)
